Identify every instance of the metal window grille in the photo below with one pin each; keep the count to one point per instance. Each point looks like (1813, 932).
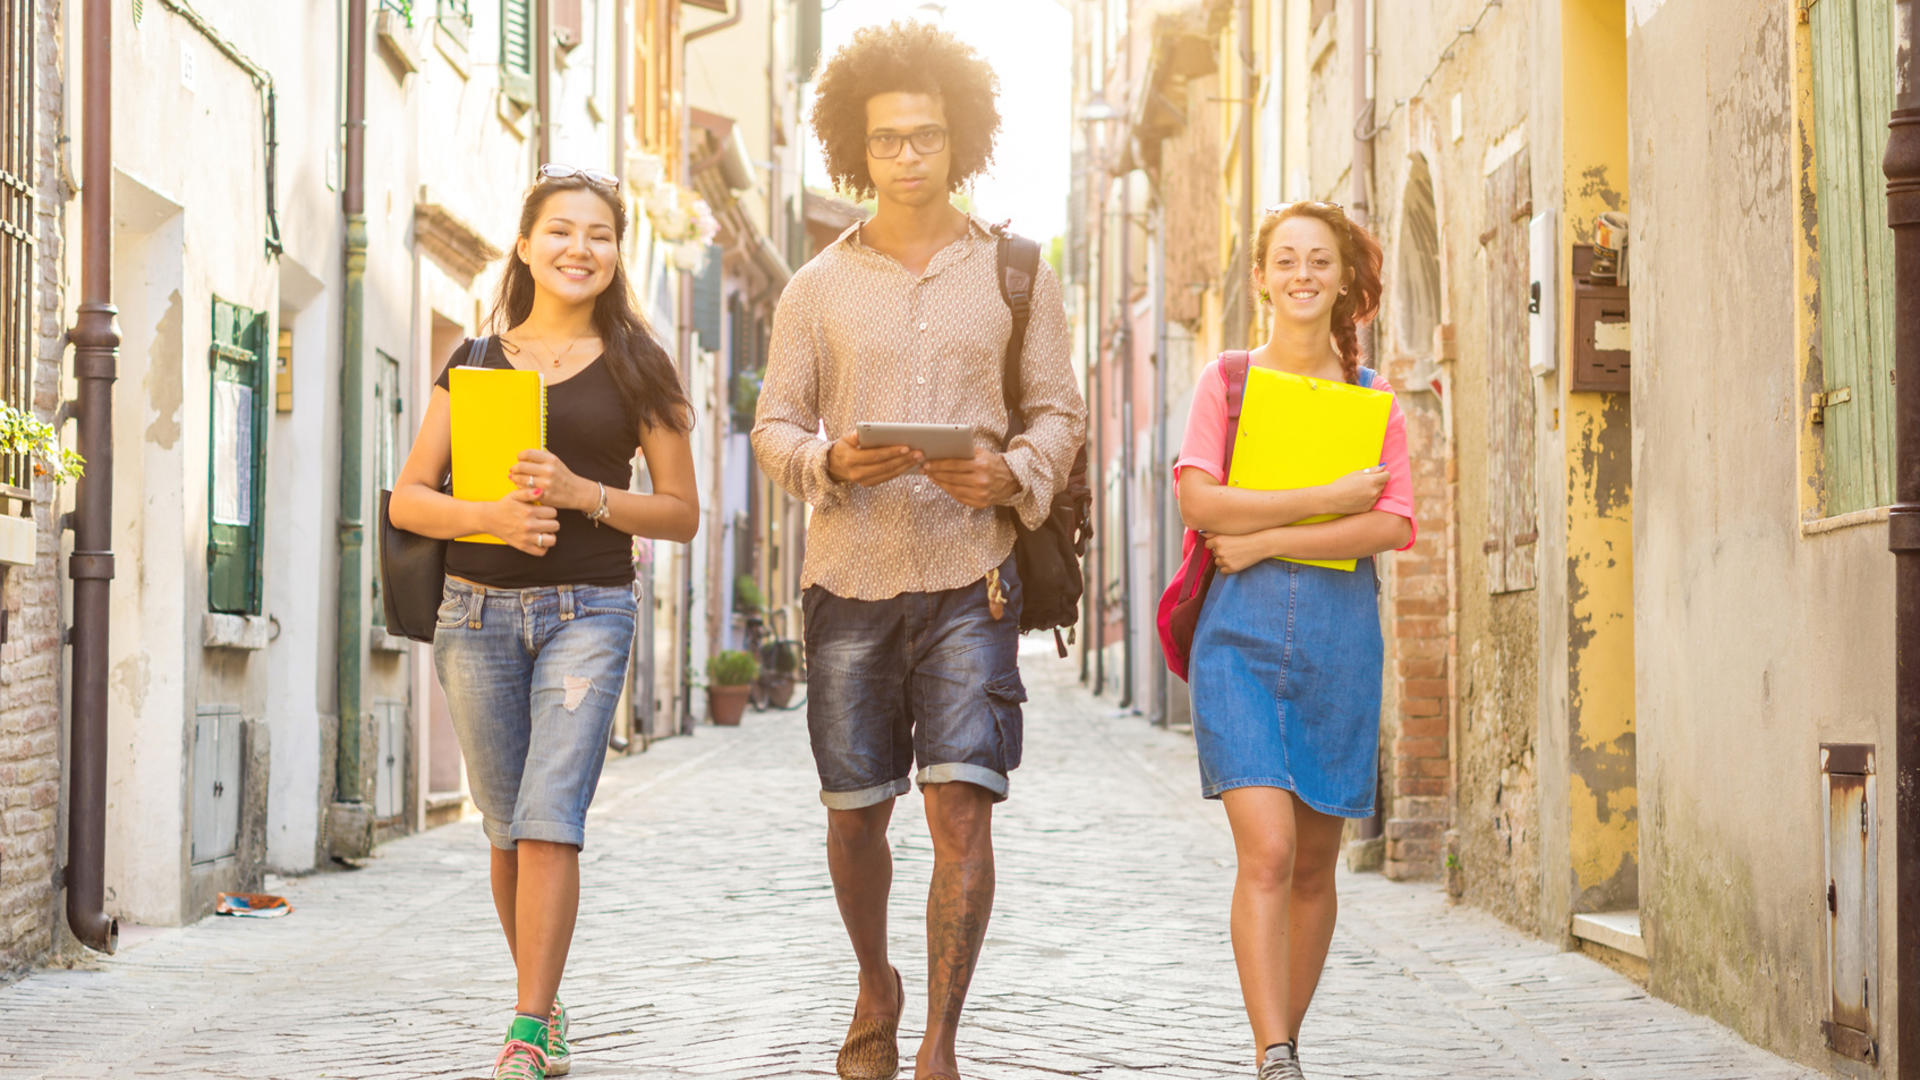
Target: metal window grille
(457, 10)
(402, 8)
(16, 227)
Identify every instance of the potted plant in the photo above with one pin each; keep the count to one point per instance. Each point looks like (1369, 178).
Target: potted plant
(730, 676)
(747, 597)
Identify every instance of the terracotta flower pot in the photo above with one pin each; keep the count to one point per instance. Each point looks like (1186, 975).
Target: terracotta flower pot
(726, 704)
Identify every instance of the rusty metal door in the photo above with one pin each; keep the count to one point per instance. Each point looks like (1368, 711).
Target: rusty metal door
(1853, 940)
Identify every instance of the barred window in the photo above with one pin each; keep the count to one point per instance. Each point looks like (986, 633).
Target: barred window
(16, 226)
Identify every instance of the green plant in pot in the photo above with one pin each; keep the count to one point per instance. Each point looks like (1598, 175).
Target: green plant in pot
(730, 676)
(747, 595)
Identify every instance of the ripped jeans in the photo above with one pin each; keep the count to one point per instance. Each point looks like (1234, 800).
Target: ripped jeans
(531, 678)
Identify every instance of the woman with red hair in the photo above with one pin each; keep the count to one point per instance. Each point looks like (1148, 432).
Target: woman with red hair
(1286, 658)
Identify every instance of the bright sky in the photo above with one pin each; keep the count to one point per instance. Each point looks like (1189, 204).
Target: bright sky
(1030, 44)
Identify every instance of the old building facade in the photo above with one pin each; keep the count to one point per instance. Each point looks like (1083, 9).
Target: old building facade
(1638, 313)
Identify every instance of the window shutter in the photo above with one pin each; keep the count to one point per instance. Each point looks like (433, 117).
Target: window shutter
(806, 40)
(1852, 97)
(235, 441)
(706, 300)
(1513, 529)
(516, 50)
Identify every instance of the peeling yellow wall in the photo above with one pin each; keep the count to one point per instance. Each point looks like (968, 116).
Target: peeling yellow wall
(1604, 805)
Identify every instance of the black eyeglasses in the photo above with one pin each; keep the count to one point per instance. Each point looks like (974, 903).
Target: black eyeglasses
(887, 144)
(555, 171)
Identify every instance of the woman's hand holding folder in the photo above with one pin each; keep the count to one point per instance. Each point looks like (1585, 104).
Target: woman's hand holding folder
(518, 519)
(1356, 492)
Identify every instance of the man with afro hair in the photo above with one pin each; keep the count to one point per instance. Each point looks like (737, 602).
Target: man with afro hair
(912, 604)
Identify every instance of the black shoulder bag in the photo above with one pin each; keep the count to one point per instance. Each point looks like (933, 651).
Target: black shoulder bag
(413, 568)
(1048, 558)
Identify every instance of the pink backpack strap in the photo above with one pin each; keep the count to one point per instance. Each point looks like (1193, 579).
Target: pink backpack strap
(1233, 371)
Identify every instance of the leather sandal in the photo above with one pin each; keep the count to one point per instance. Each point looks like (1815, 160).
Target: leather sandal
(872, 1049)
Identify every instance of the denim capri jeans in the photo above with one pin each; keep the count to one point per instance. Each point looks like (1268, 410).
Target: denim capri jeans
(532, 677)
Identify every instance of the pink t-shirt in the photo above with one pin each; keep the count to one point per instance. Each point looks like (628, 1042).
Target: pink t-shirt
(1205, 446)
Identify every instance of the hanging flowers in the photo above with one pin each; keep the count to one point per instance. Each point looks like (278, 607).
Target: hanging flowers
(683, 221)
(21, 433)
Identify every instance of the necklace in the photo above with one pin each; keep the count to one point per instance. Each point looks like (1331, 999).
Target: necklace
(558, 358)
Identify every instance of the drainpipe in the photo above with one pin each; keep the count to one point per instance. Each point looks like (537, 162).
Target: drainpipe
(685, 335)
(1359, 199)
(1360, 194)
(1249, 90)
(351, 620)
(621, 60)
(96, 340)
(1161, 471)
(543, 80)
(1125, 343)
(1902, 168)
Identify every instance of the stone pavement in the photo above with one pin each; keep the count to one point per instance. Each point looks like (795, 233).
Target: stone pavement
(709, 947)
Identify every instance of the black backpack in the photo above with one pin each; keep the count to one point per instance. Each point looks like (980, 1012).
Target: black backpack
(1048, 558)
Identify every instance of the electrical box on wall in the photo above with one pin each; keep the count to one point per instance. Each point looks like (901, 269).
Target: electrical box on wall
(1543, 294)
(1602, 329)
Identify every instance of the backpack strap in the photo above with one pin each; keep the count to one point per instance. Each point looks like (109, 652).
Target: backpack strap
(477, 351)
(1233, 371)
(1363, 377)
(1016, 264)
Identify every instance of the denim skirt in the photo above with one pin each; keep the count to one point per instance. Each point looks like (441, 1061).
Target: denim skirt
(1286, 684)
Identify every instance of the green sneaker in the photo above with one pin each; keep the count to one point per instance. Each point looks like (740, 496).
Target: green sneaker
(525, 1055)
(559, 1054)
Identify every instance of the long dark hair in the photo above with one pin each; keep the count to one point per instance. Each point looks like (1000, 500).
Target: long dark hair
(641, 369)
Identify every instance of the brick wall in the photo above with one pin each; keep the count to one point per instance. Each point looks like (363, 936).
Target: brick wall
(31, 664)
(1419, 695)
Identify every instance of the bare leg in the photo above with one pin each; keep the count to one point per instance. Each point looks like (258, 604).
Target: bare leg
(861, 865)
(960, 817)
(505, 876)
(546, 903)
(1263, 839)
(1310, 914)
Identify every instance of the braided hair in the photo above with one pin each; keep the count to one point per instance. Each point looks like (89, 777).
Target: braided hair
(1360, 260)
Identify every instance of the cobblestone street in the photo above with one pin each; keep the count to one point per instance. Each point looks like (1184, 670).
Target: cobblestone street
(709, 947)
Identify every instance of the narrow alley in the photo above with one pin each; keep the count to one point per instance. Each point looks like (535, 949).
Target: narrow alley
(709, 947)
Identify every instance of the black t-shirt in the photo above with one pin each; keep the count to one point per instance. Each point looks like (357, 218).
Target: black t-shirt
(590, 429)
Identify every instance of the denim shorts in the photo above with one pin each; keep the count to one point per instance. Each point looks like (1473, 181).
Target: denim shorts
(932, 677)
(532, 677)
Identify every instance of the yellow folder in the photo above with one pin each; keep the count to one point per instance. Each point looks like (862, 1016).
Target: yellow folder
(1297, 432)
(497, 413)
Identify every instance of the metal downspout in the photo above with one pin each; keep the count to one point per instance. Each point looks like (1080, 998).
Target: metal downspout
(622, 72)
(350, 626)
(543, 80)
(1359, 199)
(686, 359)
(1902, 168)
(96, 339)
(1125, 350)
(1161, 466)
(1249, 90)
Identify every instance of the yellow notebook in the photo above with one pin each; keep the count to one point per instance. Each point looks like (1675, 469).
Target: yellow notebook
(497, 413)
(1297, 432)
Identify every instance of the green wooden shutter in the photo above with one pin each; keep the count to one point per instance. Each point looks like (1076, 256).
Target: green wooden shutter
(707, 288)
(388, 410)
(516, 49)
(1853, 98)
(236, 441)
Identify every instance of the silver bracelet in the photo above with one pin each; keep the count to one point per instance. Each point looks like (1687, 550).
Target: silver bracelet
(600, 513)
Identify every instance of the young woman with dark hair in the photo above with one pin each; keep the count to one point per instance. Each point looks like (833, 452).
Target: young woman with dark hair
(1286, 659)
(533, 636)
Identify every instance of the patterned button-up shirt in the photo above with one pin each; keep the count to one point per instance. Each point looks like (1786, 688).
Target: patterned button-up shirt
(859, 338)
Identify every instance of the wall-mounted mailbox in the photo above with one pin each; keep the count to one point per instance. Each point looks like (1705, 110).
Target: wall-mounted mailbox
(1602, 330)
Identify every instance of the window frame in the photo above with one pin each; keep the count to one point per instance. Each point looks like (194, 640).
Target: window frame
(243, 352)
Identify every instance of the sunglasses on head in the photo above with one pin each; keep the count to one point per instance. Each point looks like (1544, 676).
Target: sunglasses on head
(555, 171)
(1311, 204)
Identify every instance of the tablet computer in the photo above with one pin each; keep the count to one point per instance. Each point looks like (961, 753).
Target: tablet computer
(937, 441)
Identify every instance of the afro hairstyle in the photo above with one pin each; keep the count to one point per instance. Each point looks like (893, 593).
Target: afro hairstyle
(913, 58)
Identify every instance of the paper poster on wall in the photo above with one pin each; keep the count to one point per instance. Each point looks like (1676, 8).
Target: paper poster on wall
(232, 453)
